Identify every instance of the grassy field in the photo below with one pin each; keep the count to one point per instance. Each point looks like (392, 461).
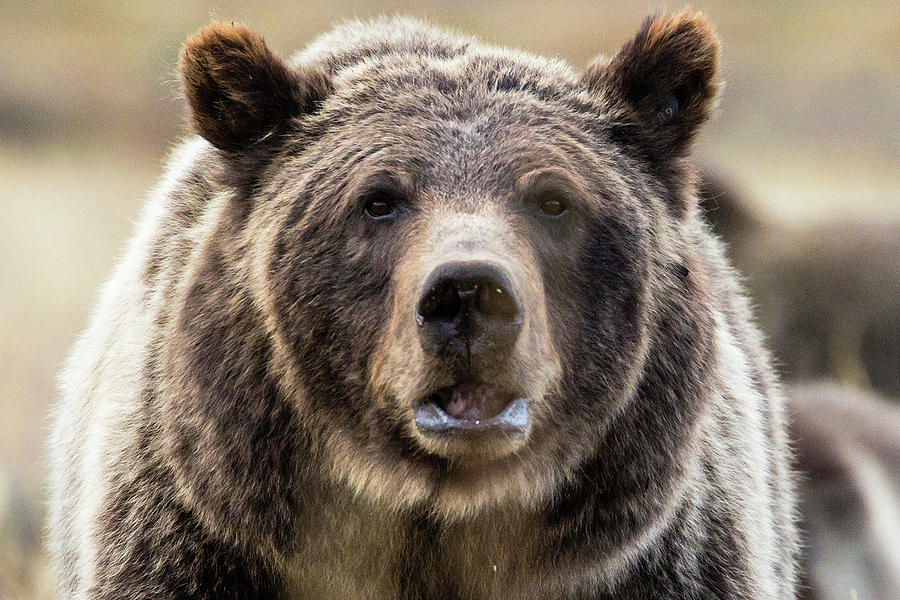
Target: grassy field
(808, 126)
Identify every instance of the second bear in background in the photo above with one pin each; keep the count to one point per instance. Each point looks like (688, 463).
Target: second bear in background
(827, 295)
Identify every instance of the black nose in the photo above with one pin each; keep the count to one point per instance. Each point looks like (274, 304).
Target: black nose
(468, 309)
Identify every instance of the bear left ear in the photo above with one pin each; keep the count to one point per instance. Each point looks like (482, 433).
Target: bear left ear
(664, 80)
(238, 91)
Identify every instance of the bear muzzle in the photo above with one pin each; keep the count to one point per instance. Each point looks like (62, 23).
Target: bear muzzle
(469, 315)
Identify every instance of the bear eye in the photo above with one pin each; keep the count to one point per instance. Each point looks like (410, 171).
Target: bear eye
(380, 204)
(552, 206)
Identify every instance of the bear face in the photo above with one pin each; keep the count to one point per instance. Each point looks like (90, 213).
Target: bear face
(465, 256)
(483, 203)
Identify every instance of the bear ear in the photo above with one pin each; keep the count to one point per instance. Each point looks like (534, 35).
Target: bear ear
(238, 91)
(663, 80)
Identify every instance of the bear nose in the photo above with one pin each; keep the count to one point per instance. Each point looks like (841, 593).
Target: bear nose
(468, 309)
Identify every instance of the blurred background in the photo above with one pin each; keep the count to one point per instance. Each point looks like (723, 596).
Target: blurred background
(802, 180)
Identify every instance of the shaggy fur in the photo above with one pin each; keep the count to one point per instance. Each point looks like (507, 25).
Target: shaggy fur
(238, 420)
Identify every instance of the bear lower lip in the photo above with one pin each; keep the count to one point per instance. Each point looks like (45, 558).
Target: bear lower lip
(471, 401)
(472, 407)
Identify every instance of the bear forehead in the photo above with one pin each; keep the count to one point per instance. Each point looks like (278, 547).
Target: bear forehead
(394, 55)
(441, 106)
(356, 42)
(476, 140)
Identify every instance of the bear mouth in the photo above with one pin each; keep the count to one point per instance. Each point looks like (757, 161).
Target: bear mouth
(472, 407)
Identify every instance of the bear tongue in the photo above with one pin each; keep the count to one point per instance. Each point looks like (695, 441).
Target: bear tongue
(472, 402)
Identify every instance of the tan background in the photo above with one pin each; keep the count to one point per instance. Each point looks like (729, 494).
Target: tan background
(809, 127)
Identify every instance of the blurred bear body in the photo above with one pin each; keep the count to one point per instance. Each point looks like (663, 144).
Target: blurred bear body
(848, 456)
(827, 295)
(242, 418)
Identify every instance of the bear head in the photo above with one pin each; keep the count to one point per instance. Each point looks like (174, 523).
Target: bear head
(473, 266)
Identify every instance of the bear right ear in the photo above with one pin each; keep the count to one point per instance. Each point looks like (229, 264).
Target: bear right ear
(663, 81)
(238, 91)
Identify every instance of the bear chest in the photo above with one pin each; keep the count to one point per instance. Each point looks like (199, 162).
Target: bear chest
(352, 551)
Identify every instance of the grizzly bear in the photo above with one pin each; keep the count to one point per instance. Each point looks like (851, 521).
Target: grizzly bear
(416, 317)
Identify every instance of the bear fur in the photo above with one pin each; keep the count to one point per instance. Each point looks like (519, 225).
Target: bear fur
(240, 419)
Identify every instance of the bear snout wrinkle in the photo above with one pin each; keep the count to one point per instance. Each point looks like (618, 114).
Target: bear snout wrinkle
(468, 308)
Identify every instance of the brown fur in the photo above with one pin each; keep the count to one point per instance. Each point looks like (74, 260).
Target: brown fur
(243, 425)
(665, 80)
(232, 110)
